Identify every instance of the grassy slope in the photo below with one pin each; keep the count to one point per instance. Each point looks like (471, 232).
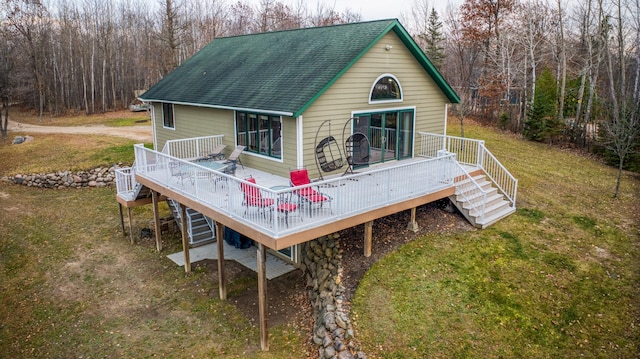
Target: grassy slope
(73, 286)
(557, 279)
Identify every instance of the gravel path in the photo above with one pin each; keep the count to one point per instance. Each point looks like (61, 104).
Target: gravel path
(140, 133)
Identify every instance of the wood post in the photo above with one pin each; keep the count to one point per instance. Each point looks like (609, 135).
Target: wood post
(368, 241)
(262, 297)
(124, 233)
(130, 225)
(185, 238)
(156, 220)
(413, 225)
(221, 279)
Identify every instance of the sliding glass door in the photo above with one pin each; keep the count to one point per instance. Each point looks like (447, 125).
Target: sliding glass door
(390, 134)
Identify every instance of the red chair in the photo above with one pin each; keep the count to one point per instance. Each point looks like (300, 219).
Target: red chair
(308, 195)
(253, 197)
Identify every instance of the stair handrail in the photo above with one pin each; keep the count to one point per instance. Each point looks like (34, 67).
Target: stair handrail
(474, 153)
(464, 175)
(506, 183)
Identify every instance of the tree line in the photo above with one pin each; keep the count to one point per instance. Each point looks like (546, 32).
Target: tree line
(93, 55)
(551, 71)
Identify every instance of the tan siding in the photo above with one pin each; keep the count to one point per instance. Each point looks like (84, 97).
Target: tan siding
(351, 93)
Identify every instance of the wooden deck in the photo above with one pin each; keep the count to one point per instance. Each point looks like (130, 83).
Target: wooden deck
(355, 199)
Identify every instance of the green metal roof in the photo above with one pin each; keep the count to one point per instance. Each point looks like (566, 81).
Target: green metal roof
(278, 72)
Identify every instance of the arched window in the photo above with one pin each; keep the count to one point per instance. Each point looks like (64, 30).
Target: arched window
(387, 89)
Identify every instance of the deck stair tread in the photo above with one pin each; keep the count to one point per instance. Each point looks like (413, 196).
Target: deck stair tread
(199, 229)
(491, 199)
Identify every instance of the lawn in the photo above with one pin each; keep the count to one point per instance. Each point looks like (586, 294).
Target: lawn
(558, 279)
(73, 286)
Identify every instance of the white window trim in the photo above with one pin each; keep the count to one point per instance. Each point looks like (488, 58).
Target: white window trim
(173, 109)
(401, 99)
(254, 154)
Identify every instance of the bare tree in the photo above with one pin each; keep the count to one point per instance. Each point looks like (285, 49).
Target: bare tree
(461, 70)
(622, 130)
(30, 22)
(6, 67)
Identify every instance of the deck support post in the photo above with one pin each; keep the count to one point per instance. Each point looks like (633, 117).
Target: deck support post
(185, 238)
(368, 234)
(124, 233)
(413, 225)
(262, 297)
(156, 220)
(130, 216)
(221, 278)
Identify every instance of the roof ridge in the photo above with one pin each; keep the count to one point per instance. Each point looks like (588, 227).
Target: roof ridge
(305, 28)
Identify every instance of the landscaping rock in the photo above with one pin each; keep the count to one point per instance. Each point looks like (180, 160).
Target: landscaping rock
(323, 267)
(98, 177)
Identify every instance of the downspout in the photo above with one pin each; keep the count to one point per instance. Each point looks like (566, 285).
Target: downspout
(299, 142)
(444, 138)
(153, 126)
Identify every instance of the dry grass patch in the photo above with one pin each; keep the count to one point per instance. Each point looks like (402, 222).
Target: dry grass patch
(114, 118)
(56, 152)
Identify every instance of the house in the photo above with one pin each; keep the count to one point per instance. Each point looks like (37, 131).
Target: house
(296, 99)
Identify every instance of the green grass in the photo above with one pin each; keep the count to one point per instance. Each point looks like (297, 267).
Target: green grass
(558, 279)
(73, 286)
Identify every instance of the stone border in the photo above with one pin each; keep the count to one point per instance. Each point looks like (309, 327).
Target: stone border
(97, 177)
(332, 330)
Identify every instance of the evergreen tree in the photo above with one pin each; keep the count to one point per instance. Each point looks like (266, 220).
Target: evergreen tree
(541, 124)
(434, 39)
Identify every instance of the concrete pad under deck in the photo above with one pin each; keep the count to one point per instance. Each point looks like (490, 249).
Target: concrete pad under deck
(247, 257)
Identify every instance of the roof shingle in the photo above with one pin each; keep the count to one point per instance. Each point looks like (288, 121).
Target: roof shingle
(279, 72)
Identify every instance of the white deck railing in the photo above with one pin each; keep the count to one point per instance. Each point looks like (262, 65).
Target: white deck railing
(192, 147)
(474, 153)
(126, 183)
(345, 196)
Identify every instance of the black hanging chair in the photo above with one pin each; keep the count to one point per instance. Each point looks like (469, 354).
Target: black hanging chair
(328, 154)
(356, 148)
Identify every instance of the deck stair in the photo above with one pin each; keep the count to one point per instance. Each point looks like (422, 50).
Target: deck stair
(200, 228)
(469, 195)
(141, 191)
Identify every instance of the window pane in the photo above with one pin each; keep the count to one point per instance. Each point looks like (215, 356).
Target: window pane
(276, 140)
(386, 88)
(253, 133)
(167, 115)
(406, 134)
(263, 138)
(241, 124)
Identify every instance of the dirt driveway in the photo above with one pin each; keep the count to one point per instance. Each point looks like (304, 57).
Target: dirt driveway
(140, 133)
